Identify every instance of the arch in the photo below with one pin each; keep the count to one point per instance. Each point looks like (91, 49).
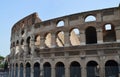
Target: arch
(60, 39)
(28, 70)
(90, 18)
(37, 40)
(111, 69)
(36, 69)
(60, 23)
(22, 42)
(75, 36)
(109, 34)
(75, 70)
(21, 70)
(17, 47)
(47, 69)
(17, 43)
(16, 70)
(28, 40)
(22, 32)
(13, 44)
(92, 69)
(60, 70)
(91, 35)
(48, 40)
(28, 44)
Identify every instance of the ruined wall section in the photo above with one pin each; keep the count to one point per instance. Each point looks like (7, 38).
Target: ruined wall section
(22, 29)
(32, 30)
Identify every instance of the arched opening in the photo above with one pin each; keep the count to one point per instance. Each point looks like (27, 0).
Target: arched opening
(16, 70)
(47, 69)
(90, 18)
(37, 70)
(21, 70)
(13, 44)
(29, 47)
(60, 39)
(48, 40)
(109, 34)
(37, 40)
(60, 70)
(28, 70)
(91, 35)
(92, 69)
(22, 44)
(22, 32)
(60, 23)
(17, 43)
(75, 70)
(75, 37)
(17, 47)
(111, 69)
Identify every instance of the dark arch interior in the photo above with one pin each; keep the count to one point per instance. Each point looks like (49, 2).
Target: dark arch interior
(28, 70)
(111, 69)
(111, 63)
(92, 70)
(91, 36)
(21, 70)
(28, 42)
(47, 64)
(47, 70)
(36, 64)
(28, 65)
(60, 70)
(75, 70)
(22, 41)
(37, 70)
(92, 63)
(75, 64)
(59, 64)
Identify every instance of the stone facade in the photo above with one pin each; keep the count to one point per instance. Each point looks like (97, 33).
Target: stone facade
(69, 46)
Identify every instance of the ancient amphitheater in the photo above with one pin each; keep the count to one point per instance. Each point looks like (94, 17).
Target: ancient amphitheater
(85, 44)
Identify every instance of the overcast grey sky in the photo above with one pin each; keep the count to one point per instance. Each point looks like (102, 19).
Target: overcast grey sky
(14, 10)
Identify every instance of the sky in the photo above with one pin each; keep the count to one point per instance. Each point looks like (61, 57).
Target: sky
(14, 10)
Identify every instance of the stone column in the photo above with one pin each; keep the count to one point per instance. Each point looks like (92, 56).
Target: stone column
(53, 41)
(117, 29)
(84, 71)
(82, 37)
(81, 19)
(67, 39)
(41, 70)
(24, 71)
(99, 17)
(83, 65)
(25, 49)
(32, 46)
(53, 72)
(66, 22)
(102, 67)
(99, 36)
(42, 42)
(67, 71)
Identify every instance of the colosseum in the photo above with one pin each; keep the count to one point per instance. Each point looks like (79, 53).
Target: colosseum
(85, 44)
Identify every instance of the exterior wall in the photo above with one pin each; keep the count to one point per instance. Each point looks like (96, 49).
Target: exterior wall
(100, 52)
